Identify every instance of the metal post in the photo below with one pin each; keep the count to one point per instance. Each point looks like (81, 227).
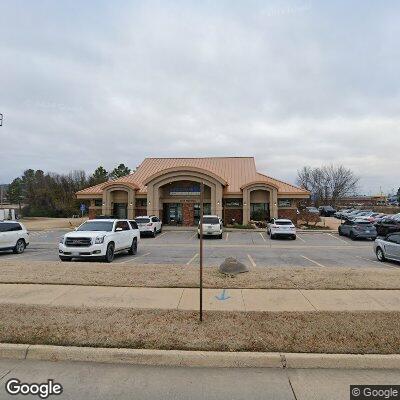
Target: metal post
(201, 249)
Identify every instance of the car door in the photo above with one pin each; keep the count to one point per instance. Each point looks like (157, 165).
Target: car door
(346, 227)
(3, 234)
(393, 246)
(12, 234)
(120, 236)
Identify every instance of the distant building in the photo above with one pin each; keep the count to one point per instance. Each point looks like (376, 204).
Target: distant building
(354, 201)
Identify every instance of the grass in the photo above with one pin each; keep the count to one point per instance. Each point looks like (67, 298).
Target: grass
(88, 273)
(320, 332)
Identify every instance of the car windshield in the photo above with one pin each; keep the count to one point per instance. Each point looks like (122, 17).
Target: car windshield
(210, 220)
(283, 223)
(104, 226)
(142, 220)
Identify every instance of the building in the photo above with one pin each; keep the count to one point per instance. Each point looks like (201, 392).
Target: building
(170, 189)
(363, 201)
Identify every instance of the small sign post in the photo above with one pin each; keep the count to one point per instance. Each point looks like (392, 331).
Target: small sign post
(82, 208)
(201, 249)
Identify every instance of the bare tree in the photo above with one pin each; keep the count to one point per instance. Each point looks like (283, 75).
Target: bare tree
(328, 184)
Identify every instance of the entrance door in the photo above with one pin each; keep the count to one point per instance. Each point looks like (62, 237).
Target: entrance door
(120, 210)
(206, 211)
(172, 213)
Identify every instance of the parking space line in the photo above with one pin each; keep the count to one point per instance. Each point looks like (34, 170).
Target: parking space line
(300, 238)
(366, 259)
(341, 240)
(192, 259)
(226, 237)
(161, 234)
(133, 258)
(251, 260)
(193, 236)
(314, 262)
(263, 238)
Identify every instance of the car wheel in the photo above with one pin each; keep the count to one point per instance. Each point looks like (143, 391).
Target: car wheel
(220, 236)
(198, 236)
(294, 237)
(380, 255)
(352, 236)
(62, 258)
(154, 233)
(133, 249)
(272, 236)
(340, 232)
(160, 231)
(19, 247)
(268, 232)
(109, 257)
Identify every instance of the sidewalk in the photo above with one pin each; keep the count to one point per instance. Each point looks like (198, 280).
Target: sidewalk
(213, 299)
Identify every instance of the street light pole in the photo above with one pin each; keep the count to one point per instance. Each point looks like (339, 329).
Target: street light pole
(201, 249)
(1, 119)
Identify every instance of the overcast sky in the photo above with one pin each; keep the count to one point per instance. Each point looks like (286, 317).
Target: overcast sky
(291, 83)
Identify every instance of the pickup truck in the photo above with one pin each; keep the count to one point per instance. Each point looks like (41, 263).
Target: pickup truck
(100, 238)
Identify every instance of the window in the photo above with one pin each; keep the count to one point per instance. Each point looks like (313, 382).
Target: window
(134, 225)
(141, 202)
(142, 220)
(98, 202)
(211, 220)
(123, 225)
(10, 227)
(97, 226)
(155, 219)
(284, 202)
(277, 222)
(394, 238)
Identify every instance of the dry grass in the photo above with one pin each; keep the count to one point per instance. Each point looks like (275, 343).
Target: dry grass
(44, 224)
(324, 332)
(85, 273)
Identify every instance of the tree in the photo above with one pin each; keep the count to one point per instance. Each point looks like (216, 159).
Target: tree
(100, 175)
(327, 184)
(15, 191)
(120, 171)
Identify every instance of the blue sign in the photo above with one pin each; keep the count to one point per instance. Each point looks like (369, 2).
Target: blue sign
(83, 208)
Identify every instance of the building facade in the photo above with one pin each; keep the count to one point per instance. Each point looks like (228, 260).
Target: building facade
(170, 189)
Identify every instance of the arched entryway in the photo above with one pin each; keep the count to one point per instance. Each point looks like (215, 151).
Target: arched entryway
(174, 195)
(119, 200)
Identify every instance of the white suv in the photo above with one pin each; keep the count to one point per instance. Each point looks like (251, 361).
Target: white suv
(212, 226)
(13, 236)
(149, 225)
(100, 238)
(281, 227)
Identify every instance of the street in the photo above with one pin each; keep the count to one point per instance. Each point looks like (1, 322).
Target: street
(255, 249)
(117, 381)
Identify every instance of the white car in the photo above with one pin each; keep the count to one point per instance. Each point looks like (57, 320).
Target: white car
(149, 225)
(212, 226)
(281, 227)
(100, 238)
(13, 236)
(388, 248)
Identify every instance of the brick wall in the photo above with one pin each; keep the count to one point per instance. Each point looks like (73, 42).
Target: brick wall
(289, 214)
(187, 214)
(233, 213)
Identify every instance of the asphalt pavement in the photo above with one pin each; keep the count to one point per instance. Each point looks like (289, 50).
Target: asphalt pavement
(97, 381)
(255, 249)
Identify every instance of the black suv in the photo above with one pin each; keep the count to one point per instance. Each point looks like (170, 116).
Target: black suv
(388, 225)
(326, 211)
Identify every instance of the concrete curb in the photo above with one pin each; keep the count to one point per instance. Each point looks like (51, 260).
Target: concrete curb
(180, 358)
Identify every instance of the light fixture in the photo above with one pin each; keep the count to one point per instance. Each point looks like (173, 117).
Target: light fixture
(245, 203)
(218, 202)
(131, 204)
(149, 202)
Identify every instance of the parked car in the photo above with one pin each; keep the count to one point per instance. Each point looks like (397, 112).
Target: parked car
(388, 225)
(281, 227)
(353, 214)
(99, 238)
(358, 228)
(388, 248)
(326, 211)
(339, 214)
(212, 226)
(312, 210)
(149, 225)
(13, 236)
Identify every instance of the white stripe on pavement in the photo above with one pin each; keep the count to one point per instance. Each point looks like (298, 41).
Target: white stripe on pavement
(251, 260)
(192, 259)
(314, 262)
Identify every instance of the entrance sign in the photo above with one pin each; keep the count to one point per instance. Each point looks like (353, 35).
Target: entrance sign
(185, 191)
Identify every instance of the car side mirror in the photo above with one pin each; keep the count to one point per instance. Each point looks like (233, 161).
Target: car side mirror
(118, 229)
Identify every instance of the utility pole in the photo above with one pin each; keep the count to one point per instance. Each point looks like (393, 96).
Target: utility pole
(201, 249)
(1, 119)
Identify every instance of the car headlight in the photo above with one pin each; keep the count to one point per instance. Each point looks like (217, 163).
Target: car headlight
(62, 239)
(99, 240)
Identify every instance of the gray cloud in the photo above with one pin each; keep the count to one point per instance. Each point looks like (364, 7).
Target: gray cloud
(290, 82)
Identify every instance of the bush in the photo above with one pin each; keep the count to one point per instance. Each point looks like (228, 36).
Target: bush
(309, 218)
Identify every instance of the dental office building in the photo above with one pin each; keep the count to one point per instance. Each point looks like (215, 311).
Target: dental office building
(170, 189)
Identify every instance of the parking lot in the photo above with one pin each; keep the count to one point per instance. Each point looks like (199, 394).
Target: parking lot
(254, 249)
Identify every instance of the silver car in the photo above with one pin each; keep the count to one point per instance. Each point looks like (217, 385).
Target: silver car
(388, 247)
